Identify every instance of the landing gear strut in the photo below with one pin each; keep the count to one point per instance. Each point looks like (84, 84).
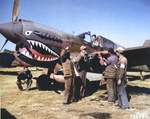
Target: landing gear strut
(142, 77)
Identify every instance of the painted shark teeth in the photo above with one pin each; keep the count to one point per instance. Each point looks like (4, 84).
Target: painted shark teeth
(26, 53)
(39, 58)
(36, 43)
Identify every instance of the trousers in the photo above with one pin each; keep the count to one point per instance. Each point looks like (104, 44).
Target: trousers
(112, 90)
(69, 89)
(29, 83)
(122, 95)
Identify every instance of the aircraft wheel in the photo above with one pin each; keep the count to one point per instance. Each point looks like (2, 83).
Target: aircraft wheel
(43, 82)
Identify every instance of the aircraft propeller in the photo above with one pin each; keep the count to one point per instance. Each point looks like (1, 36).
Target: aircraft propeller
(15, 10)
(14, 16)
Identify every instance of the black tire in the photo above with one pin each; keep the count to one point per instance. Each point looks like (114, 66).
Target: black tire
(43, 82)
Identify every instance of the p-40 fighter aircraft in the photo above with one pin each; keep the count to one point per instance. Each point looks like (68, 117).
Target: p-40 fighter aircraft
(39, 45)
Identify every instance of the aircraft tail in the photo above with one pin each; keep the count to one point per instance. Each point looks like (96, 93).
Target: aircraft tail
(6, 59)
(147, 43)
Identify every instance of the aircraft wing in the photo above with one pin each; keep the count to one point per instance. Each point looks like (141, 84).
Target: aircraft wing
(138, 56)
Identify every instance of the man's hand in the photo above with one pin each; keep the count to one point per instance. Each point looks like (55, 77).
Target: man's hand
(67, 48)
(83, 52)
(119, 82)
(24, 81)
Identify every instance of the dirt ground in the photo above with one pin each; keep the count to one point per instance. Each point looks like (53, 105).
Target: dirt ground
(37, 104)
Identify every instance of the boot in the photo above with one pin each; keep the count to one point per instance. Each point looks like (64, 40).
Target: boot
(29, 83)
(19, 85)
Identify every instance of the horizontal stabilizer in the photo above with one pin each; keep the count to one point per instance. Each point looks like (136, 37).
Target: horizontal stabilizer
(147, 43)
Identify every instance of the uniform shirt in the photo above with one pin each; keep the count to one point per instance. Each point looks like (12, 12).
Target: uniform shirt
(110, 70)
(122, 68)
(67, 64)
(77, 58)
(122, 62)
(111, 60)
(24, 75)
(80, 62)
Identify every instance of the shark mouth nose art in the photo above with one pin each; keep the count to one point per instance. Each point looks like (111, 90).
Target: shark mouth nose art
(40, 52)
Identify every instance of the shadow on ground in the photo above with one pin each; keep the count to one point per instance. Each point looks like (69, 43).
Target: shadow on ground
(93, 86)
(98, 115)
(132, 78)
(9, 73)
(44, 83)
(137, 90)
(6, 115)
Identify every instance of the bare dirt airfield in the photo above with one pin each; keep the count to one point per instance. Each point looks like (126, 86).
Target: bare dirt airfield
(37, 104)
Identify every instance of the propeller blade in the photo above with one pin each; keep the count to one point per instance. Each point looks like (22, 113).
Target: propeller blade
(15, 10)
(4, 45)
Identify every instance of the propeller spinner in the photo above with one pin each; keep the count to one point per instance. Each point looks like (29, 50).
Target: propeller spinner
(14, 16)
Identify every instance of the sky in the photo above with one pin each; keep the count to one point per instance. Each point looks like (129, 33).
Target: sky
(125, 22)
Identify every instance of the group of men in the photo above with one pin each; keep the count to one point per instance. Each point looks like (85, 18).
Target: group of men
(75, 76)
(115, 76)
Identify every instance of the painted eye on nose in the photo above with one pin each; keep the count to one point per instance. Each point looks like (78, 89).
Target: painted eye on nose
(28, 33)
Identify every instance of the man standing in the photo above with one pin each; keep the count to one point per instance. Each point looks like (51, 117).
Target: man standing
(69, 76)
(110, 75)
(80, 63)
(122, 80)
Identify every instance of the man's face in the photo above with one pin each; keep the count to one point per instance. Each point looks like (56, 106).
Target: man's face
(117, 53)
(83, 51)
(93, 38)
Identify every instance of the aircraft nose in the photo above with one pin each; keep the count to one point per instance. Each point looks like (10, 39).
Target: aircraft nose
(8, 30)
